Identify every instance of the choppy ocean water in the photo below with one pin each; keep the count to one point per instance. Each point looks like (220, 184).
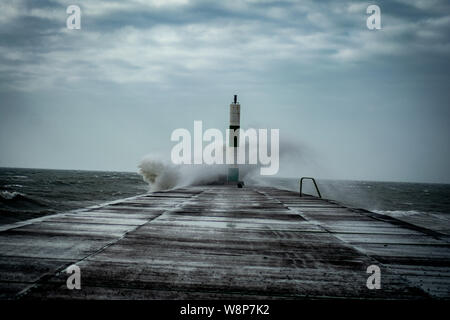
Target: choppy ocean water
(30, 193)
(393, 198)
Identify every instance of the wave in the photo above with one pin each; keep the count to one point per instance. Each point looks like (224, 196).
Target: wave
(20, 177)
(10, 195)
(15, 198)
(158, 174)
(13, 186)
(399, 213)
(163, 175)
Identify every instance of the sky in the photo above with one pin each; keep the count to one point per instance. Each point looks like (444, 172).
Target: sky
(350, 103)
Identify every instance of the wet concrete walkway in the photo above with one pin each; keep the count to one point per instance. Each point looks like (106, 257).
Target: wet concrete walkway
(221, 242)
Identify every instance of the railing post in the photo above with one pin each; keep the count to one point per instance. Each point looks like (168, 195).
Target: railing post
(315, 185)
(301, 184)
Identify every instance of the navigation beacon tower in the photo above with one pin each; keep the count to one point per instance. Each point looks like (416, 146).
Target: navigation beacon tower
(235, 124)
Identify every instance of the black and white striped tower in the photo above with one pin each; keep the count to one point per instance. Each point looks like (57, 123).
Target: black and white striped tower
(235, 124)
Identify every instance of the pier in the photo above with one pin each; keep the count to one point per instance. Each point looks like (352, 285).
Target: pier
(224, 242)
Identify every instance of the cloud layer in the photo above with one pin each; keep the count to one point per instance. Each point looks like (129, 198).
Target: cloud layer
(160, 42)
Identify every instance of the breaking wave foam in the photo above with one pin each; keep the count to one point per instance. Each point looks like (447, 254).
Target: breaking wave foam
(163, 175)
(13, 198)
(398, 213)
(10, 195)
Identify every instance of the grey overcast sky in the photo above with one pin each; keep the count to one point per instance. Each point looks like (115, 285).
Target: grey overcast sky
(353, 103)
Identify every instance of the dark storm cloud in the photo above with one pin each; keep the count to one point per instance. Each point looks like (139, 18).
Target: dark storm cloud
(327, 30)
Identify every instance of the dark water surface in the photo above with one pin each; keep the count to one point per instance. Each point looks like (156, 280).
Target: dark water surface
(30, 193)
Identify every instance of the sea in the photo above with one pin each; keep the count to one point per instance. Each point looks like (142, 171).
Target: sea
(32, 193)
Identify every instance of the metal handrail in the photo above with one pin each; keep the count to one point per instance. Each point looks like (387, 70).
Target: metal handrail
(315, 184)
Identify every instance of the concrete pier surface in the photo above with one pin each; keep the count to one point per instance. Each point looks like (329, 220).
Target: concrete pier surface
(222, 242)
